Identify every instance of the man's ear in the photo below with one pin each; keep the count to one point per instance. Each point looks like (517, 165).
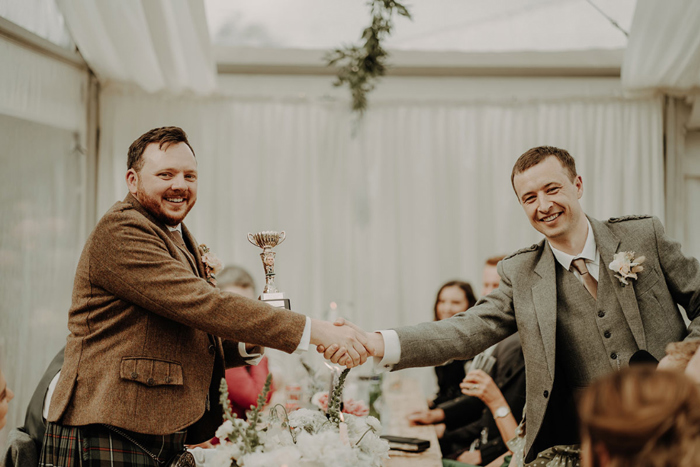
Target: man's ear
(578, 182)
(132, 181)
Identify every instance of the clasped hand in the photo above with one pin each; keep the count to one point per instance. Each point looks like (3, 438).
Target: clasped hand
(343, 342)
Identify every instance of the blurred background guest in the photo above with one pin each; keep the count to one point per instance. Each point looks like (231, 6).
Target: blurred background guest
(452, 298)
(244, 382)
(641, 417)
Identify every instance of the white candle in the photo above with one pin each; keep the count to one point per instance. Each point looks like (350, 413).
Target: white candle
(344, 438)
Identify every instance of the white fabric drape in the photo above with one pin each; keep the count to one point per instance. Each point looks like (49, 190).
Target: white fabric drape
(156, 44)
(43, 128)
(663, 52)
(378, 222)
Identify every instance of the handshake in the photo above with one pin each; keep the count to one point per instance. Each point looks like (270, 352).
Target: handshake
(345, 343)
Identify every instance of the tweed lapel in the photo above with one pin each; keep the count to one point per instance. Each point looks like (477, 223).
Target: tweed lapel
(190, 240)
(544, 298)
(608, 244)
(194, 262)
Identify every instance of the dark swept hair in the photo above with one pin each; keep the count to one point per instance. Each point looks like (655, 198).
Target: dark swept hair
(534, 156)
(164, 136)
(466, 288)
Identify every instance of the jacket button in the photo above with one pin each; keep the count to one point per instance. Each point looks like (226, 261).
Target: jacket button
(212, 351)
(601, 314)
(607, 334)
(613, 356)
(546, 394)
(134, 375)
(168, 379)
(151, 381)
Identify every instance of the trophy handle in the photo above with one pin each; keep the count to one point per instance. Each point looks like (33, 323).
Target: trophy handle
(282, 237)
(251, 239)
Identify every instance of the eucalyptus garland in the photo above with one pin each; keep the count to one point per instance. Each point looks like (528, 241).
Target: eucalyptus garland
(360, 67)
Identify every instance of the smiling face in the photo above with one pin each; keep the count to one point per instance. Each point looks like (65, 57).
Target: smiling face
(166, 185)
(6, 395)
(550, 200)
(451, 300)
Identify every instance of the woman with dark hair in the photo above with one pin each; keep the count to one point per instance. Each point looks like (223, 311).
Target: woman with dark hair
(452, 298)
(641, 417)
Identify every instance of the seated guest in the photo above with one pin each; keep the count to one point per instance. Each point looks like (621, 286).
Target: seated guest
(489, 412)
(641, 417)
(678, 355)
(24, 443)
(245, 382)
(452, 298)
(467, 417)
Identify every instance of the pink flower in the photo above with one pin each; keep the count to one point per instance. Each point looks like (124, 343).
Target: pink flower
(214, 263)
(351, 406)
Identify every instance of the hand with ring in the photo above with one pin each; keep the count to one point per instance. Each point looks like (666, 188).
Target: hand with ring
(481, 385)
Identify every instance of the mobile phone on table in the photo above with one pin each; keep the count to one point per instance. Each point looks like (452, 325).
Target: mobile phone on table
(400, 443)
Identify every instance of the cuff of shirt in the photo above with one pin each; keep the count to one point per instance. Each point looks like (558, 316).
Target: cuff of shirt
(250, 358)
(305, 338)
(392, 351)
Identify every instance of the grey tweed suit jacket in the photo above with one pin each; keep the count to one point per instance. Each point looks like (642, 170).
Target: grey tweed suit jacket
(526, 301)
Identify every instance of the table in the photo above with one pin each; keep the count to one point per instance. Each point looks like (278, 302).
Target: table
(403, 396)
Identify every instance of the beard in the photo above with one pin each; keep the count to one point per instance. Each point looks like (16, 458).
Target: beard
(154, 206)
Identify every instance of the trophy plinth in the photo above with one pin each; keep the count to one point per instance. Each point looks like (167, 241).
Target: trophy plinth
(268, 240)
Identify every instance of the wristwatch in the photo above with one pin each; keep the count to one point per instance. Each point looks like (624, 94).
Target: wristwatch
(501, 412)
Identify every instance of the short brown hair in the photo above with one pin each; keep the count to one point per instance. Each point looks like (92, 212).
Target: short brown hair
(643, 417)
(534, 156)
(164, 136)
(493, 261)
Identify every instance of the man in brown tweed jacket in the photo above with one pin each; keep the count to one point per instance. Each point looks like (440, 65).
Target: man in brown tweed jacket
(576, 318)
(149, 336)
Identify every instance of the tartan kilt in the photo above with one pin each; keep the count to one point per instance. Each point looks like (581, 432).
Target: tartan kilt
(99, 446)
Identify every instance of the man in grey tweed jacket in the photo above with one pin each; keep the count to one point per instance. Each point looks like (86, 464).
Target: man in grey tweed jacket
(572, 329)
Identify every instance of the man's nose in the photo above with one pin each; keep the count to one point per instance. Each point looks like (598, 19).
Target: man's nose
(179, 183)
(544, 204)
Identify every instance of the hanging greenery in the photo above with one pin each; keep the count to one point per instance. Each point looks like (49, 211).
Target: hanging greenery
(360, 67)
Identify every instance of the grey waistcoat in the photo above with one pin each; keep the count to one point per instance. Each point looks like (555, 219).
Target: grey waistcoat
(593, 335)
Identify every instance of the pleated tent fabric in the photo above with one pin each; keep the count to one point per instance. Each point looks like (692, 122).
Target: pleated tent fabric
(159, 45)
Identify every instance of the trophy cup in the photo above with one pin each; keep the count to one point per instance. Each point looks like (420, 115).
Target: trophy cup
(267, 240)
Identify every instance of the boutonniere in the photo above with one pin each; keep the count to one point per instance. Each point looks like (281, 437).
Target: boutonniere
(212, 264)
(626, 266)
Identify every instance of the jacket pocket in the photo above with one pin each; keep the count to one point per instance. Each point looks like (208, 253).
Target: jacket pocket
(151, 371)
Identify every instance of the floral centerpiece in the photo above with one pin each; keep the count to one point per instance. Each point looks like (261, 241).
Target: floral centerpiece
(302, 438)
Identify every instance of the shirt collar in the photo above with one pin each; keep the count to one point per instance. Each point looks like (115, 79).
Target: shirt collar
(177, 228)
(589, 252)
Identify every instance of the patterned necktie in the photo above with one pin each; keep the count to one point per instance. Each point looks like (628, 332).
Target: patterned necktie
(588, 281)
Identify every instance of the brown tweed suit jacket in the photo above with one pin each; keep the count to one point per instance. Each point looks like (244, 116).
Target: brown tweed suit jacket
(141, 354)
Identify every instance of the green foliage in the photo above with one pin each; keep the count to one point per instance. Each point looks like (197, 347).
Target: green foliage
(360, 67)
(246, 433)
(336, 398)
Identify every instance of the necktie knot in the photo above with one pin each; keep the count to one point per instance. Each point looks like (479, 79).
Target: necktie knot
(588, 281)
(580, 265)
